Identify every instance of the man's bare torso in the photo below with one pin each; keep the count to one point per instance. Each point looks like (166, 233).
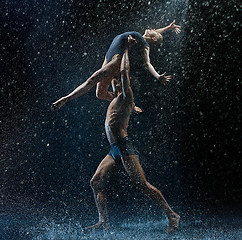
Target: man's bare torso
(117, 117)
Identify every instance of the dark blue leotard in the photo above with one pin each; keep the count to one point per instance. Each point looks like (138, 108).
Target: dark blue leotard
(120, 42)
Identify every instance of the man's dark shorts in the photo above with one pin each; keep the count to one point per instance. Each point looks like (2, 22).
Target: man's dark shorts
(123, 147)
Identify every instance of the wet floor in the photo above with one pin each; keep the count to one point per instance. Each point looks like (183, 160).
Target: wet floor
(146, 225)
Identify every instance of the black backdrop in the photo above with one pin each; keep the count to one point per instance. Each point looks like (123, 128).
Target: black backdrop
(188, 135)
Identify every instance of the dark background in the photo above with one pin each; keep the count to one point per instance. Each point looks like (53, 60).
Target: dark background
(188, 135)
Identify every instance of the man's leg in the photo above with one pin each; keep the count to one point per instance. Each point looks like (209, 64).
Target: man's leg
(136, 173)
(102, 174)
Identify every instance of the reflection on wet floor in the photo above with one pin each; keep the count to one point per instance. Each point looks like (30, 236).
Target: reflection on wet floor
(19, 226)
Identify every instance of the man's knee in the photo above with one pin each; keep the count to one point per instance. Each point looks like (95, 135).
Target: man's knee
(145, 186)
(93, 182)
(96, 183)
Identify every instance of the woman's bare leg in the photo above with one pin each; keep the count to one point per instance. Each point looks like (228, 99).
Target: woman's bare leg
(103, 86)
(102, 174)
(105, 74)
(136, 173)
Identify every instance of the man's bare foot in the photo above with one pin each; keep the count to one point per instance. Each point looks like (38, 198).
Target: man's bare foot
(173, 223)
(98, 225)
(59, 103)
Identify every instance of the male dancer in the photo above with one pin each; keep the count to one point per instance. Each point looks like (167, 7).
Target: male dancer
(122, 150)
(111, 64)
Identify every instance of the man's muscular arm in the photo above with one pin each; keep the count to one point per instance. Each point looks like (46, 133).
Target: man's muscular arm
(125, 80)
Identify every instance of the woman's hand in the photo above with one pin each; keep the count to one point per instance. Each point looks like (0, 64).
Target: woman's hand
(175, 27)
(163, 78)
